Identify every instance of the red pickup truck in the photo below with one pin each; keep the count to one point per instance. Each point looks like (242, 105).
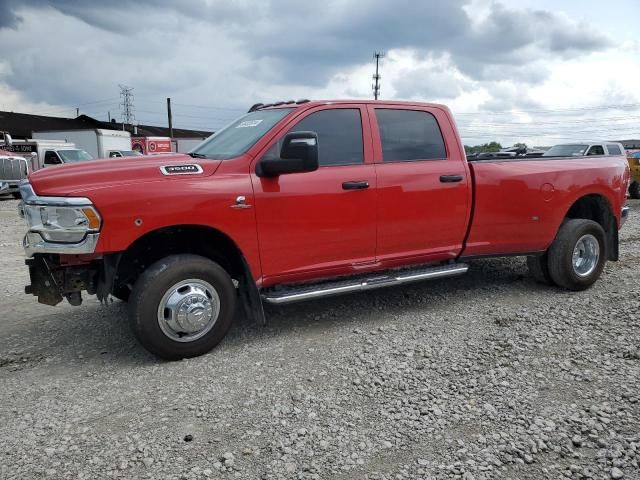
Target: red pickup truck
(299, 200)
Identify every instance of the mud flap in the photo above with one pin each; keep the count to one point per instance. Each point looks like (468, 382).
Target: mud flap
(250, 296)
(107, 276)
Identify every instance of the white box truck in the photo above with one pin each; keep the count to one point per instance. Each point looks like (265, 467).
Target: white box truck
(99, 142)
(44, 153)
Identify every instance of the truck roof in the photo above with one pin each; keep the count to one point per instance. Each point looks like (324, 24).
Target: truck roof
(314, 103)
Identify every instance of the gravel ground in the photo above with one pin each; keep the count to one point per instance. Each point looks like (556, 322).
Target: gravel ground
(480, 377)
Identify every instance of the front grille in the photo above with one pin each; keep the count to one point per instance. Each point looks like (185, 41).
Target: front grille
(13, 169)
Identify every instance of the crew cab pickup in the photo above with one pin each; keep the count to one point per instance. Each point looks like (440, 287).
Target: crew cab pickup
(300, 200)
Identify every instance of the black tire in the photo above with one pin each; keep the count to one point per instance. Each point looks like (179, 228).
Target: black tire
(539, 268)
(560, 261)
(158, 280)
(16, 195)
(122, 294)
(634, 190)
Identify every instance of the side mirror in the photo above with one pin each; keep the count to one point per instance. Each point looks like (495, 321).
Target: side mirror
(299, 153)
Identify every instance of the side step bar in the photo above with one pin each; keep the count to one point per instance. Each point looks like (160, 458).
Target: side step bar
(299, 293)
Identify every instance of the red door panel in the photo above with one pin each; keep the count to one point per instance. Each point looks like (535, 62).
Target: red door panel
(310, 226)
(418, 215)
(327, 228)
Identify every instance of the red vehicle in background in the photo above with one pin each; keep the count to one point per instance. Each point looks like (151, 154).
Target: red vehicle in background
(303, 200)
(151, 145)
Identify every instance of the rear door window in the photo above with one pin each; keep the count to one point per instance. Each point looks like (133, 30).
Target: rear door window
(614, 150)
(409, 135)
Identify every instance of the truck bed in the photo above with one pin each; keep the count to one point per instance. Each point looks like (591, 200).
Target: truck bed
(519, 203)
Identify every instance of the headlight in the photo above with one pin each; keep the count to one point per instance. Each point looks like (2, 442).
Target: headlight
(58, 219)
(61, 224)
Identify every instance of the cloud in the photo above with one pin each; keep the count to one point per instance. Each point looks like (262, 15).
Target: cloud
(8, 17)
(431, 78)
(510, 37)
(314, 40)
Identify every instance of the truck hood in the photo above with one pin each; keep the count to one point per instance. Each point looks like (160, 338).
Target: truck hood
(73, 179)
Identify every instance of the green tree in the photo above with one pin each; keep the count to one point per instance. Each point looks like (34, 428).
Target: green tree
(485, 147)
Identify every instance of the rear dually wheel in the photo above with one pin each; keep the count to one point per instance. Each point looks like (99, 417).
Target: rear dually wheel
(578, 254)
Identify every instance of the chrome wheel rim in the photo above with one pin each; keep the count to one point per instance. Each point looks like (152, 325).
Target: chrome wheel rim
(188, 310)
(586, 254)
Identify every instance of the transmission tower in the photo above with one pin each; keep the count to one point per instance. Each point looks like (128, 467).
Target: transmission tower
(126, 105)
(376, 77)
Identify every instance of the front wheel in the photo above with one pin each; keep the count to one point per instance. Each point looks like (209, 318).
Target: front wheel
(634, 190)
(578, 254)
(182, 306)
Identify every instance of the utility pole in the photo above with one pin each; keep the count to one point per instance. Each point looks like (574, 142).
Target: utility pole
(377, 76)
(170, 118)
(126, 94)
(77, 112)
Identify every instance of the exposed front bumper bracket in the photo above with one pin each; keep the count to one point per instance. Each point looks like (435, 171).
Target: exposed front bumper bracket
(43, 283)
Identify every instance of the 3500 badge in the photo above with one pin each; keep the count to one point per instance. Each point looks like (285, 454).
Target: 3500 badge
(191, 169)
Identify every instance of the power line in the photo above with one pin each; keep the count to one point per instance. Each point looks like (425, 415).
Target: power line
(178, 114)
(243, 110)
(66, 109)
(147, 99)
(555, 110)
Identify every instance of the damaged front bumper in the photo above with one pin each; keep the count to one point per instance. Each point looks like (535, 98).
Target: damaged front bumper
(52, 282)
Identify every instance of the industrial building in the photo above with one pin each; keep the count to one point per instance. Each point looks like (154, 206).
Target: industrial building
(22, 126)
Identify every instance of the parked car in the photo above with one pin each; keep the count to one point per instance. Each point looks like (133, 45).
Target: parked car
(600, 149)
(585, 149)
(306, 200)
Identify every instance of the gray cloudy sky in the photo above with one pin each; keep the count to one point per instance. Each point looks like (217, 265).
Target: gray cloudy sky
(512, 70)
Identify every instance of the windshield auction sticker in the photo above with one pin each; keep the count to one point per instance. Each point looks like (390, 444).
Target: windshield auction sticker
(249, 123)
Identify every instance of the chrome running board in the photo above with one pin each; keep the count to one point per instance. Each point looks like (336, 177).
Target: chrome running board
(297, 293)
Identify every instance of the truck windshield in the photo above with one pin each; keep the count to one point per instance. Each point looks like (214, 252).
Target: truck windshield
(566, 151)
(236, 138)
(70, 156)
